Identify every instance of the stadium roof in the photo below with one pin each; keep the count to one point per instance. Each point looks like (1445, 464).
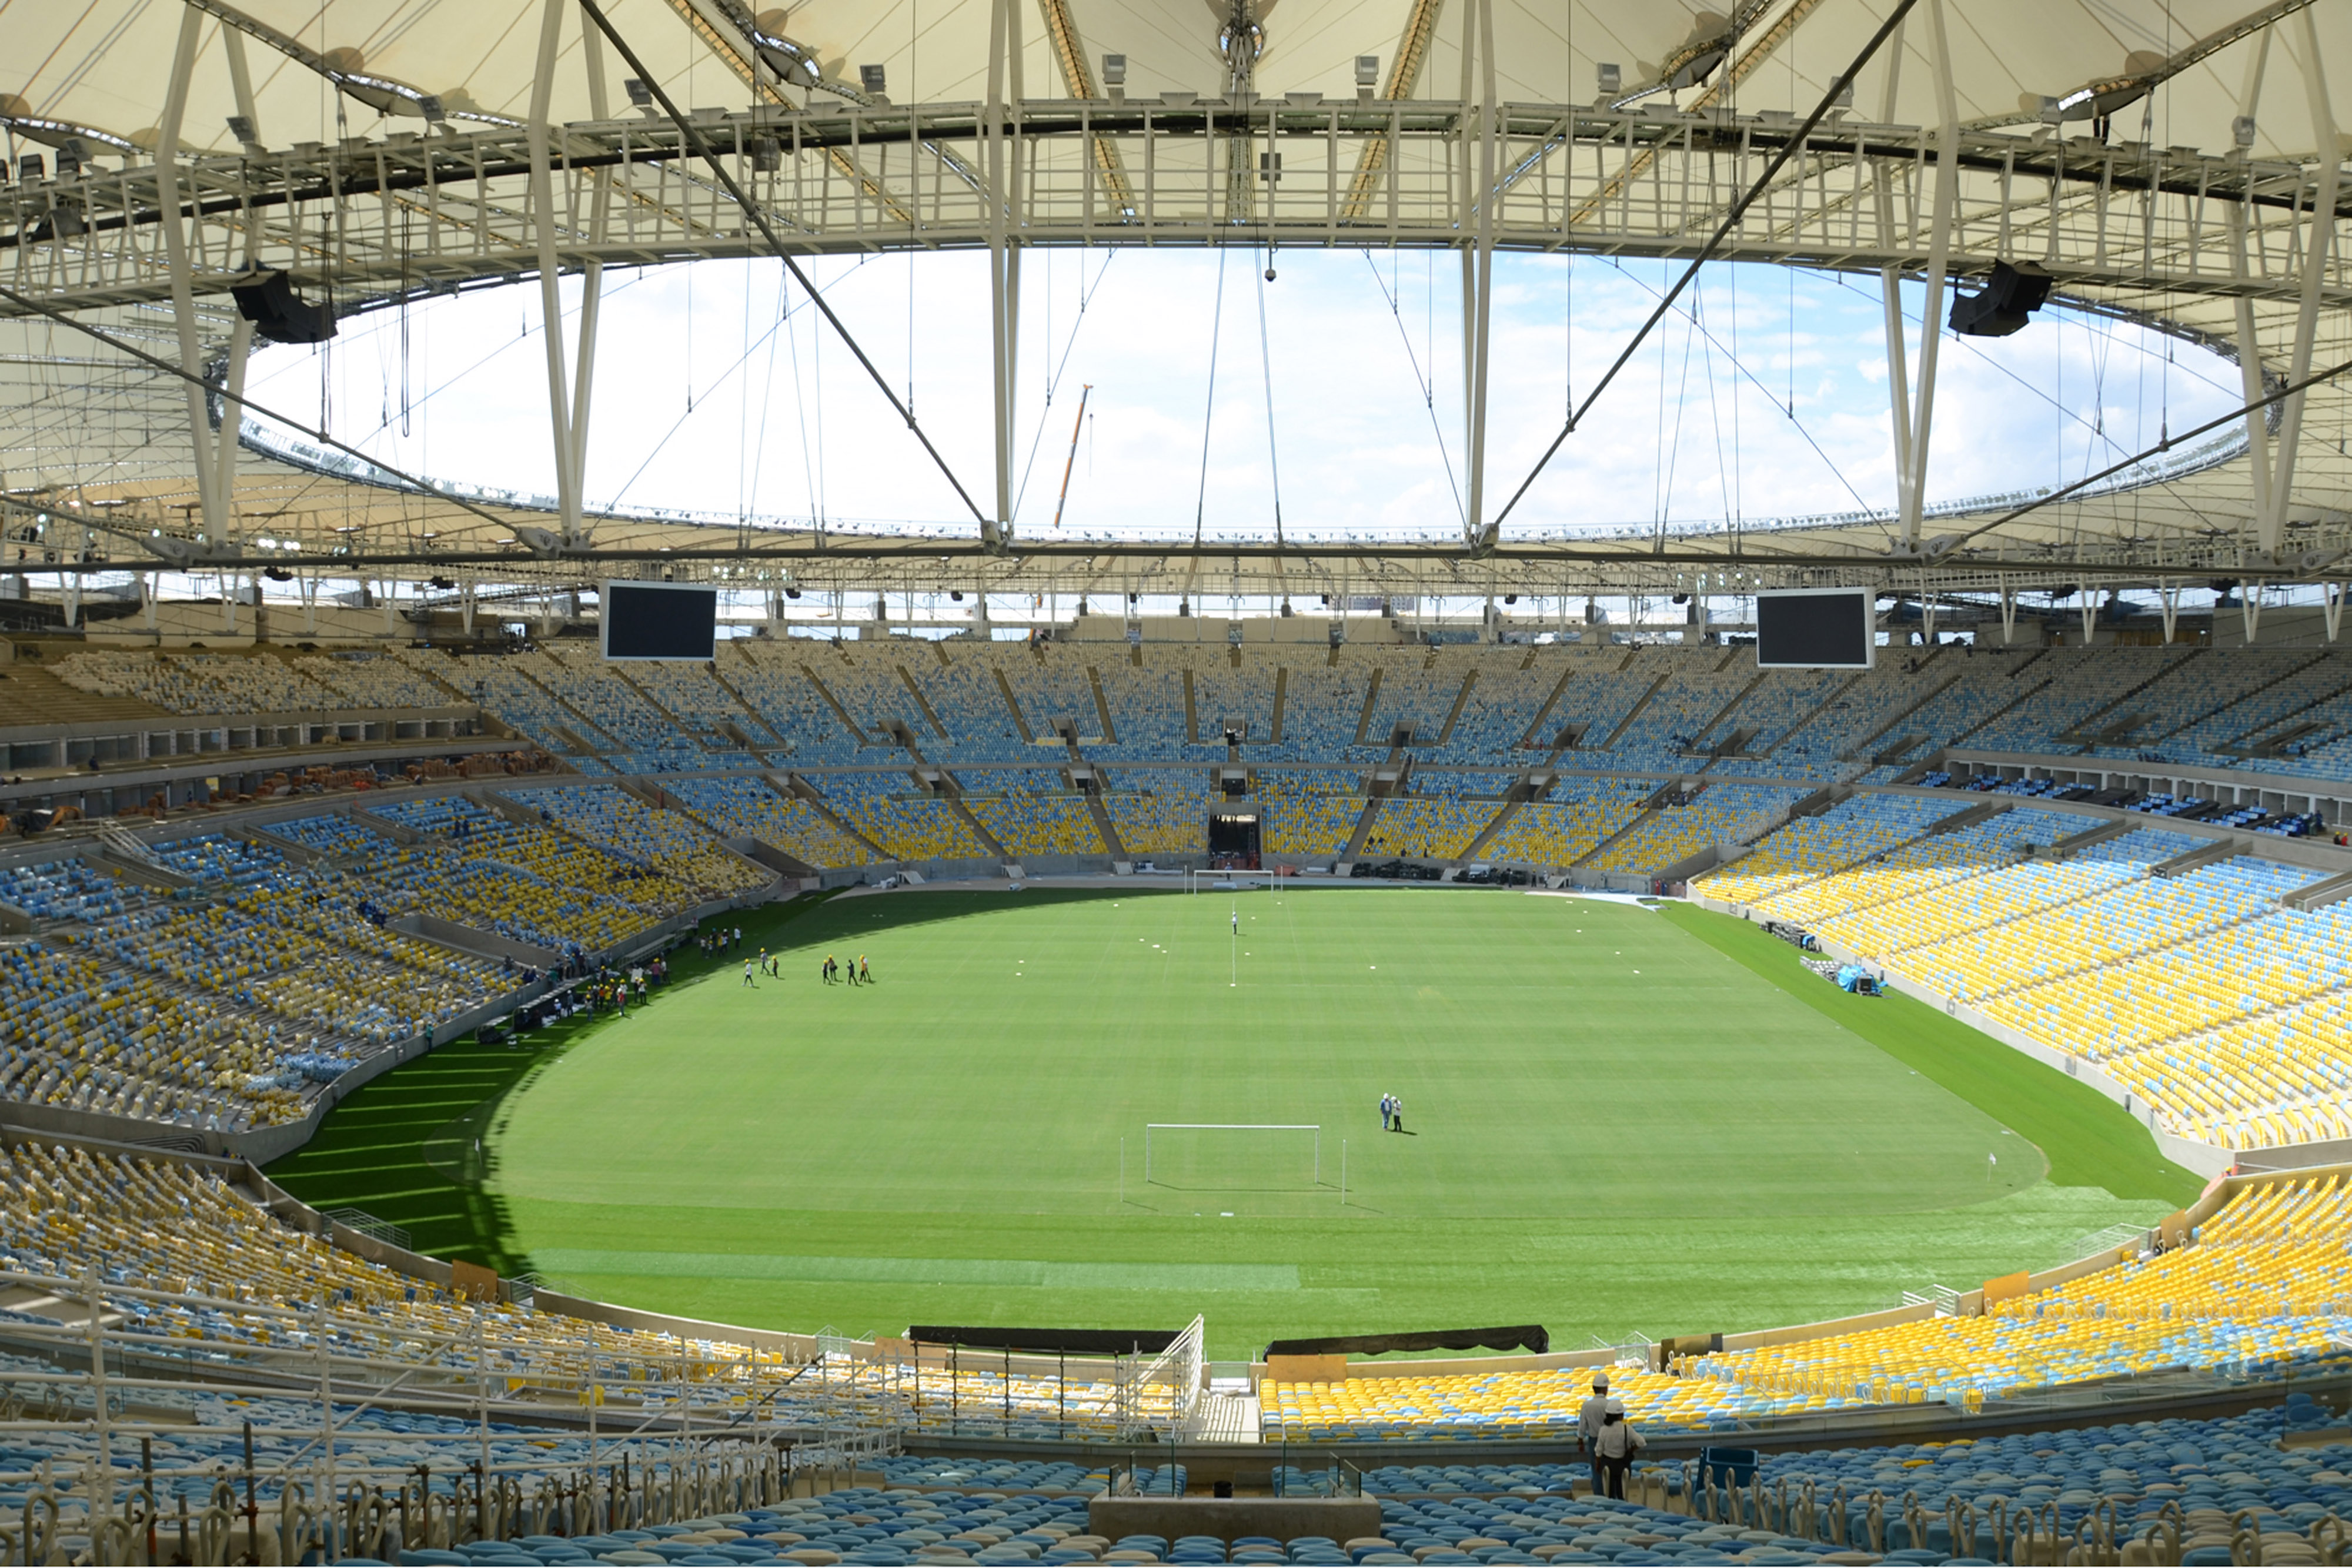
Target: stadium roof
(2176, 163)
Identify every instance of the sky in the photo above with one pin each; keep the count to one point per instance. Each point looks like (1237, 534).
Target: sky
(1333, 393)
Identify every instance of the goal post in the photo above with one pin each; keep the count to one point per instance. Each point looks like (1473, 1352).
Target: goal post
(1244, 1150)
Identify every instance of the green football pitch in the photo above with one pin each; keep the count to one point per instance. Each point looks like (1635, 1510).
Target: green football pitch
(1619, 1119)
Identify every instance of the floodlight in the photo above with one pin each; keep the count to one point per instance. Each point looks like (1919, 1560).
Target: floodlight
(2241, 130)
(874, 80)
(1114, 69)
(1367, 75)
(432, 108)
(1612, 80)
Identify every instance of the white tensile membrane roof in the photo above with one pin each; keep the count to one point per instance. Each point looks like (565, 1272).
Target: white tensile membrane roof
(2121, 86)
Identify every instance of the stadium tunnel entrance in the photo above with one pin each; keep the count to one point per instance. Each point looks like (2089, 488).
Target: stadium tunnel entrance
(1233, 839)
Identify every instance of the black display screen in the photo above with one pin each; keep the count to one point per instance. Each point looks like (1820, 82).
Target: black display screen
(1816, 629)
(659, 620)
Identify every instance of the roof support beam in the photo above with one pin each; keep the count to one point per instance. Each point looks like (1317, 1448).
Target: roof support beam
(1913, 479)
(2317, 246)
(1478, 255)
(567, 422)
(214, 504)
(240, 341)
(1002, 180)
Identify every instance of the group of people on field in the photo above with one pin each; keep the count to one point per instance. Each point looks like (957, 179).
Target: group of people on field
(832, 971)
(1392, 1112)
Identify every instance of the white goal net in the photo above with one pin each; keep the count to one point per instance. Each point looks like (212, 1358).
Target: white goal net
(1233, 1157)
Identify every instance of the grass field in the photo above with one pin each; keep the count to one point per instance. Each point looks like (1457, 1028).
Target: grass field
(1622, 1119)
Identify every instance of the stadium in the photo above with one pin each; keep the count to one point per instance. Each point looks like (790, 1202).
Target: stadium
(1066, 782)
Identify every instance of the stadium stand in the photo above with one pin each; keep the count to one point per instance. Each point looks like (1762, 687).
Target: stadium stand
(1719, 815)
(1423, 828)
(663, 842)
(752, 809)
(375, 680)
(1160, 816)
(1033, 822)
(883, 808)
(1305, 816)
(1557, 831)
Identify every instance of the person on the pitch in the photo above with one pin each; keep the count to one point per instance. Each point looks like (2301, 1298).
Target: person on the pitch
(864, 974)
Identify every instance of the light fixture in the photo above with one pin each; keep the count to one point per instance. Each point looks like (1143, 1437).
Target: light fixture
(1114, 69)
(1367, 75)
(1612, 80)
(874, 80)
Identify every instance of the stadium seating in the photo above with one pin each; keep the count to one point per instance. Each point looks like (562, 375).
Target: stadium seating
(1428, 827)
(375, 680)
(1302, 822)
(1806, 848)
(909, 826)
(2265, 1283)
(748, 807)
(1562, 829)
(664, 841)
(1160, 818)
(1722, 814)
(1031, 823)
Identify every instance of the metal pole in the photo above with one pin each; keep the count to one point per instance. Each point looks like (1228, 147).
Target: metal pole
(334, 1546)
(102, 1487)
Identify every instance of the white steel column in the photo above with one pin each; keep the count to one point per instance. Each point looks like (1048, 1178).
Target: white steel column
(241, 339)
(175, 249)
(1914, 481)
(2250, 357)
(592, 278)
(1478, 256)
(2318, 247)
(1003, 249)
(550, 300)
